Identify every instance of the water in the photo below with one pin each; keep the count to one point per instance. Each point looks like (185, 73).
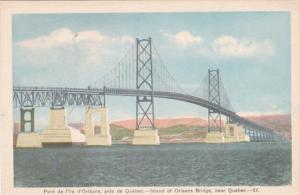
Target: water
(264, 164)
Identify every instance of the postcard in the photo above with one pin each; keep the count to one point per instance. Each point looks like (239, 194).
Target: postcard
(150, 97)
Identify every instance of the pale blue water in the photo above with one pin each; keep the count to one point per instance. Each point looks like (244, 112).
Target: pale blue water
(261, 164)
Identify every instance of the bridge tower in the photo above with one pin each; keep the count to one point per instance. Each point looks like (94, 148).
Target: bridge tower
(145, 133)
(214, 134)
(214, 116)
(144, 81)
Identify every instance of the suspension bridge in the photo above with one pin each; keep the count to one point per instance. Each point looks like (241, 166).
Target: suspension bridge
(142, 74)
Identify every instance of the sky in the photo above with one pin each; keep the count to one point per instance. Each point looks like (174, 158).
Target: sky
(251, 50)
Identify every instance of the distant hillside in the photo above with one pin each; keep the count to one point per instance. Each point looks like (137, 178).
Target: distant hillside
(177, 130)
(191, 130)
(280, 123)
(164, 123)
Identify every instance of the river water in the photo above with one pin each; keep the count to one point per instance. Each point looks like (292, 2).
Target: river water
(263, 164)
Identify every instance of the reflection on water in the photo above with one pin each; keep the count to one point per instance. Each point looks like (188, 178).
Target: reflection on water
(165, 165)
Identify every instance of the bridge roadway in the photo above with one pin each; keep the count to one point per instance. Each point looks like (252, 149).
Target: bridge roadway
(55, 96)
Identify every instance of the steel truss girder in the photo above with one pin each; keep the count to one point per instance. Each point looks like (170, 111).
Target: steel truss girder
(144, 81)
(47, 97)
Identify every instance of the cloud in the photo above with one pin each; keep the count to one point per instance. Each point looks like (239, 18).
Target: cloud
(123, 39)
(224, 46)
(65, 55)
(229, 46)
(89, 45)
(89, 36)
(184, 38)
(65, 36)
(58, 37)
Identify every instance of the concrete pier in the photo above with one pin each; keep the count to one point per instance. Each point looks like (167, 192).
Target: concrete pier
(146, 137)
(235, 133)
(57, 132)
(93, 137)
(214, 137)
(29, 140)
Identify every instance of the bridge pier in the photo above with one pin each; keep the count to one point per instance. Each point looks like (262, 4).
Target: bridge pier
(27, 139)
(265, 136)
(214, 137)
(270, 137)
(251, 135)
(145, 137)
(256, 135)
(57, 133)
(235, 133)
(260, 136)
(94, 137)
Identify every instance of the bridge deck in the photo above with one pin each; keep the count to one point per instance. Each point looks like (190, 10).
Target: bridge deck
(57, 96)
